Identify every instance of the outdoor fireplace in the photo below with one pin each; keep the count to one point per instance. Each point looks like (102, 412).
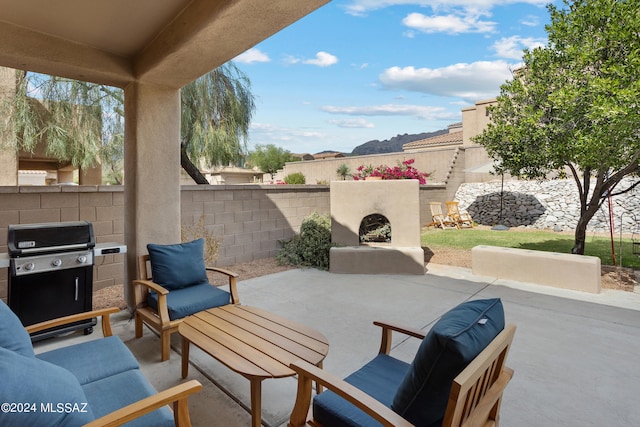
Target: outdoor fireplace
(375, 228)
(354, 204)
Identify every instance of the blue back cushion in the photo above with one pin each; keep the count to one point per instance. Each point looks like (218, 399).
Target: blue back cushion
(178, 266)
(13, 336)
(41, 385)
(454, 341)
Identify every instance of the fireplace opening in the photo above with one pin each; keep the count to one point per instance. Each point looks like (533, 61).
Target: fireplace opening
(375, 228)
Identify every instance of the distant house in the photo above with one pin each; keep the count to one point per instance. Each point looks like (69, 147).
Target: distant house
(302, 156)
(327, 155)
(453, 137)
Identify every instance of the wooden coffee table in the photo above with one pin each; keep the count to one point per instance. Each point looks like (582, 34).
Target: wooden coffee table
(255, 343)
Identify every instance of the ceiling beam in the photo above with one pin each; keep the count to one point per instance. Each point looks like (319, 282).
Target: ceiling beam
(209, 33)
(24, 49)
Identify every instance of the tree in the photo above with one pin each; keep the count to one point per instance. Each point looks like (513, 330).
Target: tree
(575, 104)
(67, 114)
(343, 170)
(269, 158)
(217, 109)
(84, 122)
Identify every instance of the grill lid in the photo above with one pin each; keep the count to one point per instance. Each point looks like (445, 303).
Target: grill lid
(41, 238)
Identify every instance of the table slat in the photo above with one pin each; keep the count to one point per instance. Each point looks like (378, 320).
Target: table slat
(234, 353)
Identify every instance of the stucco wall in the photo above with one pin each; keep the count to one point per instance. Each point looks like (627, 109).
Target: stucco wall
(435, 161)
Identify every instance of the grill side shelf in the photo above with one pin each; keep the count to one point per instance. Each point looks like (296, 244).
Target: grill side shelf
(4, 260)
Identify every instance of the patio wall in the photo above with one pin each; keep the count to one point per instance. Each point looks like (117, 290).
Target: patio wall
(250, 220)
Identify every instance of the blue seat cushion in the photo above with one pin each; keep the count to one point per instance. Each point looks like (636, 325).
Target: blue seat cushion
(93, 360)
(379, 378)
(454, 341)
(186, 301)
(43, 387)
(177, 266)
(13, 336)
(117, 391)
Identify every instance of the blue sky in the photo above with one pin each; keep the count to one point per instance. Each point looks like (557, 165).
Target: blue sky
(357, 70)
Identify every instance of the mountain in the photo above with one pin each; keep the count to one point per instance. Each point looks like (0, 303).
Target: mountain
(392, 145)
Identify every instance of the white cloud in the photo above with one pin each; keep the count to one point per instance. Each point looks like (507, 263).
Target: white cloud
(270, 134)
(421, 111)
(362, 7)
(512, 47)
(530, 21)
(322, 59)
(352, 123)
(452, 24)
(252, 55)
(471, 82)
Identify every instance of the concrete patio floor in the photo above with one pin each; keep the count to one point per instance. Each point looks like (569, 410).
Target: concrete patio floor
(575, 355)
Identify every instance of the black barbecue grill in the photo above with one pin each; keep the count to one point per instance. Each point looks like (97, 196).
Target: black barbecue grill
(51, 273)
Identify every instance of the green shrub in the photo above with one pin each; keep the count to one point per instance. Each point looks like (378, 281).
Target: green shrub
(294, 178)
(311, 247)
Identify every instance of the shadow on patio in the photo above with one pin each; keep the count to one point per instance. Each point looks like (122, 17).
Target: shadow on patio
(574, 354)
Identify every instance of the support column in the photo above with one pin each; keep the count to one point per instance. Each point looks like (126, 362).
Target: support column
(152, 171)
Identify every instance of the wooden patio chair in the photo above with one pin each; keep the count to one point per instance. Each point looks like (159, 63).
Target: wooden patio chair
(463, 219)
(439, 219)
(178, 289)
(457, 377)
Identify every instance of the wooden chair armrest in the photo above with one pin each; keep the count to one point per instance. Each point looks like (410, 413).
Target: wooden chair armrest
(177, 395)
(388, 328)
(233, 278)
(308, 373)
(223, 271)
(163, 309)
(104, 313)
(151, 285)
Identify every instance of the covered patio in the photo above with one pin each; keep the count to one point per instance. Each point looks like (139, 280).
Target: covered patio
(151, 49)
(574, 353)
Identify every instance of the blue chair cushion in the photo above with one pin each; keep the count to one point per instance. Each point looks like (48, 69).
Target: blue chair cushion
(13, 336)
(454, 341)
(177, 266)
(93, 360)
(379, 379)
(43, 386)
(117, 391)
(186, 301)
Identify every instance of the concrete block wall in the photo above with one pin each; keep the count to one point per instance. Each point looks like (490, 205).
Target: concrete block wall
(102, 205)
(250, 220)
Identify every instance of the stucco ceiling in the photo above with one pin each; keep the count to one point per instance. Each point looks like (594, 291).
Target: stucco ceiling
(168, 42)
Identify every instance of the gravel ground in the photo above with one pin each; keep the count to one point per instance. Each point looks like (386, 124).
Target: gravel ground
(612, 277)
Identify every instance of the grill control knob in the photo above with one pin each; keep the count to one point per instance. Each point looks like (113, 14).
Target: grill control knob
(29, 266)
(82, 259)
(56, 262)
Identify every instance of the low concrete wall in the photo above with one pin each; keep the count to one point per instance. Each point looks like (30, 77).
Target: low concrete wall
(567, 271)
(377, 260)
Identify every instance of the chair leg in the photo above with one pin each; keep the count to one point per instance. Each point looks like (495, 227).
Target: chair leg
(165, 343)
(138, 327)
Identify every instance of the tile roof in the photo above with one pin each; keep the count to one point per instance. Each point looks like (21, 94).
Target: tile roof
(444, 139)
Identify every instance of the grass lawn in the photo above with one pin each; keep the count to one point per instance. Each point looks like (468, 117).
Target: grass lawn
(536, 240)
